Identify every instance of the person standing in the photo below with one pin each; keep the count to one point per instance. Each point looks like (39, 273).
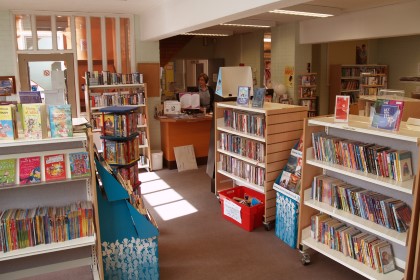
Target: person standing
(206, 93)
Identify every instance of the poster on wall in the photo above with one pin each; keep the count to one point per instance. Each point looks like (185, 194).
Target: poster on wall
(361, 54)
(289, 76)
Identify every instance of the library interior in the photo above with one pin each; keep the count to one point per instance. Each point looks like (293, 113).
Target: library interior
(163, 140)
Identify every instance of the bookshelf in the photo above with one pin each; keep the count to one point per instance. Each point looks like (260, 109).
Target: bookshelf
(308, 93)
(57, 255)
(99, 97)
(355, 80)
(358, 129)
(282, 128)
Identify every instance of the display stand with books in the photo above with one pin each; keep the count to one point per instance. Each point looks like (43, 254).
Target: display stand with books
(252, 146)
(129, 233)
(119, 92)
(353, 80)
(361, 184)
(308, 93)
(48, 209)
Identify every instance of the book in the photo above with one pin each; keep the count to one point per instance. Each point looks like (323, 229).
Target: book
(30, 170)
(386, 258)
(7, 172)
(243, 96)
(386, 114)
(258, 98)
(8, 123)
(404, 164)
(108, 122)
(55, 167)
(79, 165)
(342, 103)
(284, 179)
(60, 120)
(27, 97)
(34, 121)
(189, 100)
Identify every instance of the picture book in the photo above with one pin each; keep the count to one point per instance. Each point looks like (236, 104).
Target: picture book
(27, 97)
(7, 172)
(79, 165)
(60, 120)
(404, 165)
(111, 152)
(386, 114)
(55, 167)
(386, 258)
(294, 160)
(342, 103)
(258, 98)
(30, 170)
(242, 98)
(284, 179)
(34, 121)
(8, 124)
(108, 121)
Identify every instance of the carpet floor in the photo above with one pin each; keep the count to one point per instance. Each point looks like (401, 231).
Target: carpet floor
(195, 242)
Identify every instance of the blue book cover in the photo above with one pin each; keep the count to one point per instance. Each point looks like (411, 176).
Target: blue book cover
(386, 116)
(60, 120)
(287, 213)
(243, 95)
(258, 99)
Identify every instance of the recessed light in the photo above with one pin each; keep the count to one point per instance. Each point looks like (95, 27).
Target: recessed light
(245, 25)
(298, 13)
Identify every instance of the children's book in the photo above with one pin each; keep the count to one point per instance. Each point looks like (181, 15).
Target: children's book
(34, 121)
(55, 167)
(243, 95)
(111, 152)
(7, 172)
(387, 114)
(342, 103)
(108, 121)
(79, 165)
(405, 169)
(60, 120)
(258, 98)
(30, 170)
(8, 124)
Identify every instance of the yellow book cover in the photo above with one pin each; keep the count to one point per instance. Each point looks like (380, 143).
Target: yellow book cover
(34, 121)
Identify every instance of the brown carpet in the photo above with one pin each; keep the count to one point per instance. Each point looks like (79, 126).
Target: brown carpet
(202, 245)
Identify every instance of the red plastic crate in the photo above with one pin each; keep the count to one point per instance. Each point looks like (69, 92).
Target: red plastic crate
(251, 217)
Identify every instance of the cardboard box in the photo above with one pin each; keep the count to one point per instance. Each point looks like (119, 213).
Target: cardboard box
(171, 107)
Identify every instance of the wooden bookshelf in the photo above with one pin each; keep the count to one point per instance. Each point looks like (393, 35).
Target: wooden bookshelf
(307, 94)
(351, 80)
(358, 128)
(283, 128)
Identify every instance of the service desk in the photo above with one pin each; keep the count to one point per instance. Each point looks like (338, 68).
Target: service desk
(177, 132)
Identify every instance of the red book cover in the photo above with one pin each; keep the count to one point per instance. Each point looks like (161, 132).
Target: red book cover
(30, 170)
(55, 167)
(342, 104)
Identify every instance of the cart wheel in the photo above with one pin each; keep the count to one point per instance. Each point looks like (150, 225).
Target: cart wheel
(306, 259)
(268, 226)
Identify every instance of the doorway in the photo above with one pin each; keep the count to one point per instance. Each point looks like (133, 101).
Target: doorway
(52, 74)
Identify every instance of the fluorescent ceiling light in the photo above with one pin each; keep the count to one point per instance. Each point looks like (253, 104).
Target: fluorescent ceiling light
(297, 13)
(245, 25)
(209, 33)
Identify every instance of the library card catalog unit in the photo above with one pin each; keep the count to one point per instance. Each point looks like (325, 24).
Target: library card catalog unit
(252, 146)
(101, 96)
(359, 196)
(48, 207)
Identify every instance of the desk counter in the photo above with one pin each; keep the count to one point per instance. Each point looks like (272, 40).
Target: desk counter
(177, 132)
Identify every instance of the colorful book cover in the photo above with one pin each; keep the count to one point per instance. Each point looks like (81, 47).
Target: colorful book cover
(30, 170)
(60, 120)
(258, 98)
(387, 114)
(108, 120)
(8, 128)
(55, 167)
(243, 95)
(34, 121)
(7, 172)
(342, 103)
(111, 152)
(405, 166)
(79, 164)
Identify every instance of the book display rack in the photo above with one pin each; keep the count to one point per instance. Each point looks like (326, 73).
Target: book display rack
(49, 225)
(253, 145)
(308, 93)
(356, 80)
(102, 94)
(363, 200)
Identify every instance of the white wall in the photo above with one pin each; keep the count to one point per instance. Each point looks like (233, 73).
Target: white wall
(7, 67)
